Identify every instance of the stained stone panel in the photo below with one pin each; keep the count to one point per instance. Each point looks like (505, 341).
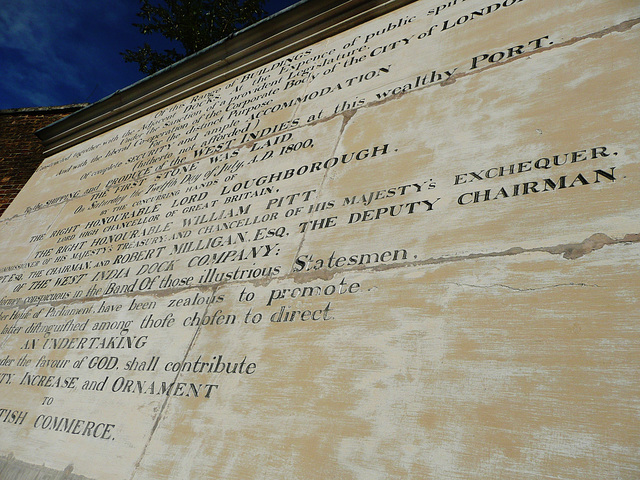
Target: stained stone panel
(407, 249)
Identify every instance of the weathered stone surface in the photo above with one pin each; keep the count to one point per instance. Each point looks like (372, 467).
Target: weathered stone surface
(408, 250)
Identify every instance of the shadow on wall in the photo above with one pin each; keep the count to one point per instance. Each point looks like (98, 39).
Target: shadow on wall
(10, 467)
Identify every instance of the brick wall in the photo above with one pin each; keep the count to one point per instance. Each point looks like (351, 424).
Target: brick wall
(20, 148)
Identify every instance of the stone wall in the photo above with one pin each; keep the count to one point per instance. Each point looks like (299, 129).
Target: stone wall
(363, 240)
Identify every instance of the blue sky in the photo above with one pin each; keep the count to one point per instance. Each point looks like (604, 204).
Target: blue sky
(59, 52)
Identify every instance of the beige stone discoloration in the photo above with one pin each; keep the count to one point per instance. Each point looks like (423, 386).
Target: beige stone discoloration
(539, 366)
(329, 268)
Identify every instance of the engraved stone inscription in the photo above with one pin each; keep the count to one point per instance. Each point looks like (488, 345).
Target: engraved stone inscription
(406, 250)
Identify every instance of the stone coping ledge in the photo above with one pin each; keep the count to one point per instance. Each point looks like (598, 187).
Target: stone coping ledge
(294, 28)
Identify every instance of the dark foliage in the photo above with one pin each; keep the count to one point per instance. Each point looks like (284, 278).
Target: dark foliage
(194, 24)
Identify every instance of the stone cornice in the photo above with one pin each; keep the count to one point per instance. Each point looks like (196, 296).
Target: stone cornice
(303, 24)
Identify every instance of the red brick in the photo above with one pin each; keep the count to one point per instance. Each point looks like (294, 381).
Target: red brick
(20, 149)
